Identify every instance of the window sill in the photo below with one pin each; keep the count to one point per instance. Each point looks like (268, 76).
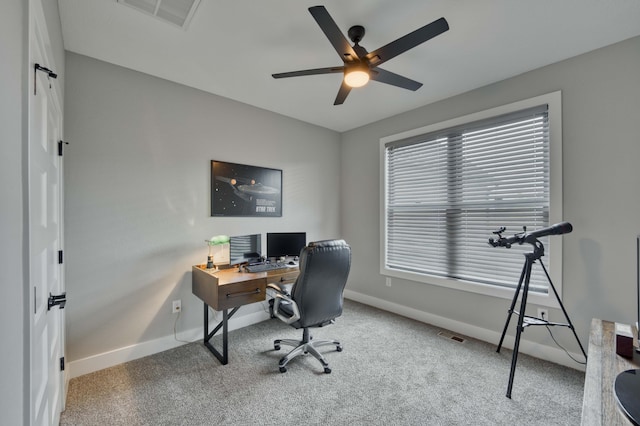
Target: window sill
(547, 300)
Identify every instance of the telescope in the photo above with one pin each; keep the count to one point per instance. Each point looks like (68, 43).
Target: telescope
(523, 287)
(531, 237)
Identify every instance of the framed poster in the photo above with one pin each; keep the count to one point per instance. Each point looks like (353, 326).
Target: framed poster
(242, 190)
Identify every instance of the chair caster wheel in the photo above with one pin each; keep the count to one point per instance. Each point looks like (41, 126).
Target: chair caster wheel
(276, 347)
(327, 370)
(283, 369)
(339, 348)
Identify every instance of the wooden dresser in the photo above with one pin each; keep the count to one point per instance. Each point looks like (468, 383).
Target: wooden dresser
(599, 405)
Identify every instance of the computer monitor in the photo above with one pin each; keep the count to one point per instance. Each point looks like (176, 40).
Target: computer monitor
(245, 248)
(283, 244)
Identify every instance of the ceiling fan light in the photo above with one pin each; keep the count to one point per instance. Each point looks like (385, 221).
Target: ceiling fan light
(356, 78)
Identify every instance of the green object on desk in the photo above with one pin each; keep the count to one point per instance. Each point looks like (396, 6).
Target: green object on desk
(218, 239)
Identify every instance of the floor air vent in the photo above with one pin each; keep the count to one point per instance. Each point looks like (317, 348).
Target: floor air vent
(451, 336)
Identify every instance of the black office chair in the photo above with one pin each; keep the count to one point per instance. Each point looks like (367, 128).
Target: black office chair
(316, 297)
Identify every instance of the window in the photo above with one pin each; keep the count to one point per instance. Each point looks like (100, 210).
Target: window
(447, 187)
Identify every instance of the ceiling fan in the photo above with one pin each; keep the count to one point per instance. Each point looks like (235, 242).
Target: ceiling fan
(359, 65)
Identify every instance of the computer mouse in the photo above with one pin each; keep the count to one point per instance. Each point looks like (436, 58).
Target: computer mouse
(291, 262)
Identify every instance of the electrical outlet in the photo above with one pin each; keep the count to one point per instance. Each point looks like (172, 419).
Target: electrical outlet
(543, 314)
(177, 306)
(388, 282)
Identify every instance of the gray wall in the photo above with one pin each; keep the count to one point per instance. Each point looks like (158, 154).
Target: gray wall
(13, 352)
(137, 183)
(601, 150)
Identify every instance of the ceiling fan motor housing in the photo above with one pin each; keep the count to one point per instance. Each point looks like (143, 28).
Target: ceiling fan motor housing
(356, 33)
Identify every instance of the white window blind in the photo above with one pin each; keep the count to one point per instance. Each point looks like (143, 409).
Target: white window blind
(447, 191)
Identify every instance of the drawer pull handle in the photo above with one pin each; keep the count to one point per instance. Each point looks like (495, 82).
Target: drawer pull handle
(245, 293)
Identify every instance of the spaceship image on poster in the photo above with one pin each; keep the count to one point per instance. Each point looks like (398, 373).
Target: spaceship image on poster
(243, 190)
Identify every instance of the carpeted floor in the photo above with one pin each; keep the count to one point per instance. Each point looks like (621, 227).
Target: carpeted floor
(392, 371)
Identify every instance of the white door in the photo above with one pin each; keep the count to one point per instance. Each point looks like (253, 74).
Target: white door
(47, 387)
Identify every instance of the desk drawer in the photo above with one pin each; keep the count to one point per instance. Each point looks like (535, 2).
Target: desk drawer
(241, 293)
(278, 277)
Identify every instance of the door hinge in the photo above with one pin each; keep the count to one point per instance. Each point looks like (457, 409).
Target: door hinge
(62, 364)
(60, 257)
(60, 299)
(60, 147)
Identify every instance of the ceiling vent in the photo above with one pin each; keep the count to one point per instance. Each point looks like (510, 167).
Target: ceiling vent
(177, 12)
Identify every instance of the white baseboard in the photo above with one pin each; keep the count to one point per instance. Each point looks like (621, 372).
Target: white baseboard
(534, 349)
(142, 349)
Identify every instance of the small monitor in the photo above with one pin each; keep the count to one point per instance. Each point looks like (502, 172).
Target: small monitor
(245, 248)
(284, 244)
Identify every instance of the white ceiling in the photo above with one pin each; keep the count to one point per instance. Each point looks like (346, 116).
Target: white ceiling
(232, 47)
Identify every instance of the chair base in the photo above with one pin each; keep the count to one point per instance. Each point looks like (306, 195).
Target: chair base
(304, 347)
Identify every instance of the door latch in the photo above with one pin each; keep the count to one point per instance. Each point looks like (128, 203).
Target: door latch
(60, 300)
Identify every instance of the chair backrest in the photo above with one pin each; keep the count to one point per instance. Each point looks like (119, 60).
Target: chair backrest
(324, 269)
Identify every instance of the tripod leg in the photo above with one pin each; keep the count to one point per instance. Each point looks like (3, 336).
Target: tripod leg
(520, 329)
(563, 310)
(513, 304)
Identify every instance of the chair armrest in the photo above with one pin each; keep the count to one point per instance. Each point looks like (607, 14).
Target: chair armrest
(280, 296)
(276, 288)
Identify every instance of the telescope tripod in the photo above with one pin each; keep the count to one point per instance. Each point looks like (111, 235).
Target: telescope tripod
(526, 320)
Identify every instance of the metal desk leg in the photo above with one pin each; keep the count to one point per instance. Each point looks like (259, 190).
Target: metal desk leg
(224, 356)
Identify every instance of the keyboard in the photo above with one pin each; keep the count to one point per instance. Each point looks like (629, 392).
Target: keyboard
(262, 267)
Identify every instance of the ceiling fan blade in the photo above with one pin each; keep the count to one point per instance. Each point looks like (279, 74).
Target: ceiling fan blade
(333, 33)
(342, 93)
(409, 41)
(388, 77)
(328, 70)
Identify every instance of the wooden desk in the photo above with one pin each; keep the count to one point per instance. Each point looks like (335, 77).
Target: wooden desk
(230, 289)
(599, 405)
